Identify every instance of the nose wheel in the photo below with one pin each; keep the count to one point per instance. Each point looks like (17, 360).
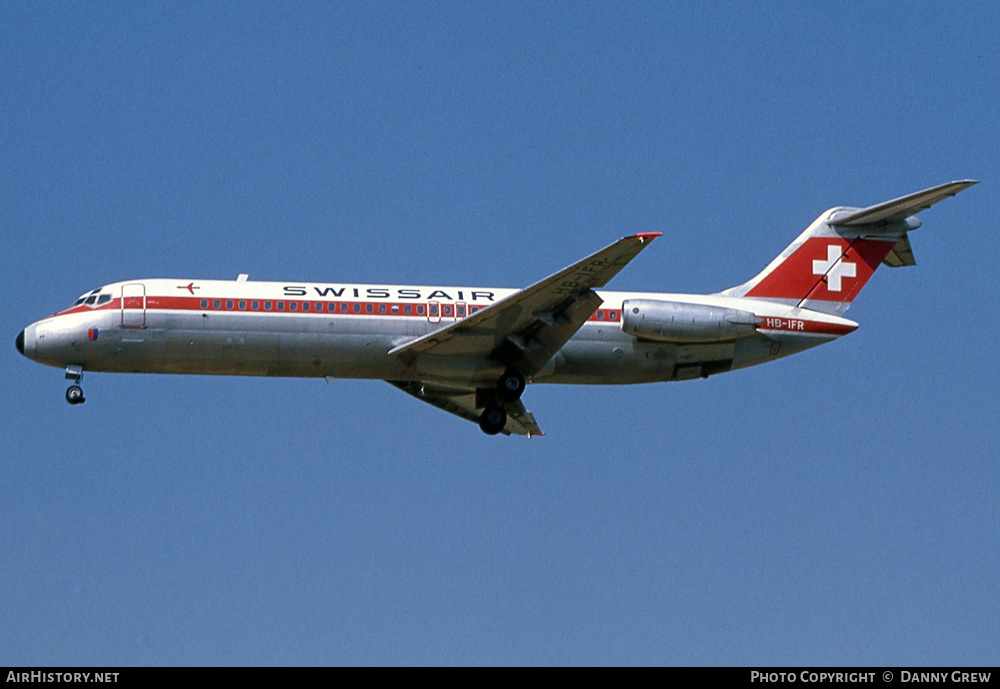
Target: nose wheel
(74, 393)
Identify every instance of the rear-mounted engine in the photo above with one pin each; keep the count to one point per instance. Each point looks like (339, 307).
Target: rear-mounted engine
(683, 323)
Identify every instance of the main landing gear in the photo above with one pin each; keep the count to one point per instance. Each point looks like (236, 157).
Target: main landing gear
(493, 419)
(74, 393)
(508, 389)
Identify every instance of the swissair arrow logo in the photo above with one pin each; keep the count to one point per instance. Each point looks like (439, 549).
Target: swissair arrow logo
(843, 269)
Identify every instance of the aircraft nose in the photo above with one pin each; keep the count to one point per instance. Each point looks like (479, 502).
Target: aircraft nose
(25, 342)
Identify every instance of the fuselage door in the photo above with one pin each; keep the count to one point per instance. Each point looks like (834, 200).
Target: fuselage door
(434, 312)
(134, 305)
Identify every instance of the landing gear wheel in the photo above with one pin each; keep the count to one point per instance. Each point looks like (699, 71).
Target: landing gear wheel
(510, 386)
(493, 420)
(74, 394)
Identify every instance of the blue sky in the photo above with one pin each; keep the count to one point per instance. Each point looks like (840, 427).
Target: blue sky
(836, 507)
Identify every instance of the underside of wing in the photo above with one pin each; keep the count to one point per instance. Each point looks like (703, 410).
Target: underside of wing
(462, 402)
(518, 334)
(526, 329)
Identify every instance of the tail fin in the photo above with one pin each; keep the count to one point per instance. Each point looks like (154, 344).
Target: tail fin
(829, 263)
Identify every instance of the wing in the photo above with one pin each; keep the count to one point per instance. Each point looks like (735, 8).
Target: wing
(526, 329)
(462, 402)
(902, 208)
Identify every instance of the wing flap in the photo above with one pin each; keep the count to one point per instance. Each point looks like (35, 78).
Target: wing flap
(462, 403)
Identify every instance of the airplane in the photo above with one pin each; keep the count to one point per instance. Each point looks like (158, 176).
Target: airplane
(471, 351)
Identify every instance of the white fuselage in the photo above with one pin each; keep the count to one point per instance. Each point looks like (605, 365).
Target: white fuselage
(470, 351)
(347, 330)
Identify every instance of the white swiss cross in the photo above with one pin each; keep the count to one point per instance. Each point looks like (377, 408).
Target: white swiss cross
(841, 270)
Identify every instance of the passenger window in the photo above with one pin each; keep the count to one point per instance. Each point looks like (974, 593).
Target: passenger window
(255, 305)
(369, 308)
(243, 304)
(204, 303)
(381, 308)
(281, 306)
(293, 305)
(357, 308)
(305, 306)
(217, 304)
(229, 303)
(408, 309)
(267, 306)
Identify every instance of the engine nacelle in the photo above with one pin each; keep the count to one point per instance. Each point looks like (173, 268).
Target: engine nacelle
(682, 323)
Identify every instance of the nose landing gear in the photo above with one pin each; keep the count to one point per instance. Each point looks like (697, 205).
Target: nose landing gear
(74, 393)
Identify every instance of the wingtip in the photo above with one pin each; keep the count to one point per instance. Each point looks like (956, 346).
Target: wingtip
(960, 185)
(647, 236)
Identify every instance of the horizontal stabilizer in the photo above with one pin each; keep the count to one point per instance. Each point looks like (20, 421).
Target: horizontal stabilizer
(901, 208)
(828, 264)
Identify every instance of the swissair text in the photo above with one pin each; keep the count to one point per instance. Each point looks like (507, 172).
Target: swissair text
(390, 293)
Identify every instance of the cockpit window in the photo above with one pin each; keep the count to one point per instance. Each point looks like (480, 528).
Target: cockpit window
(88, 298)
(93, 297)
